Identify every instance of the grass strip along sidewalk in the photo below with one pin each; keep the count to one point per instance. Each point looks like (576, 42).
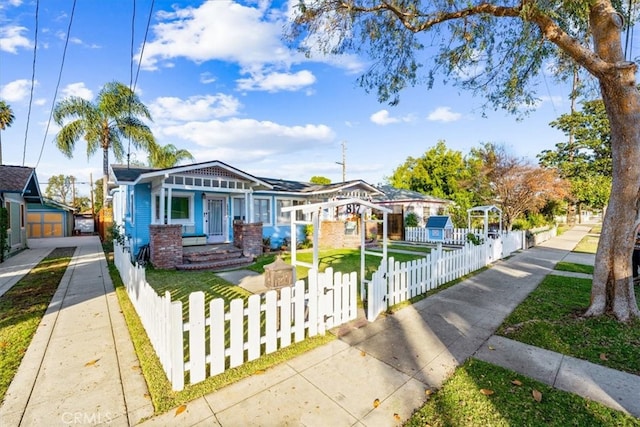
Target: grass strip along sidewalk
(23, 306)
(480, 393)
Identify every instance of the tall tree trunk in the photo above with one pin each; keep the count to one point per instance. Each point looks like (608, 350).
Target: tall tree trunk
(105, 175)
(612, 290)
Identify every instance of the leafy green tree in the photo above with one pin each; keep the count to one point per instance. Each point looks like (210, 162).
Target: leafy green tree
(6, 120)
(115, 117)
(82, 203)
(515, 185)
(497, 49)
(168, 156)
(320, 180)
(585, 159)
(59, 189)
(98, 194)
(439, 172)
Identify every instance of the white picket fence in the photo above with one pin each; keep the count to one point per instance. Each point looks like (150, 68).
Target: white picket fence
(239, 332)
(397, 282)
(458, 236)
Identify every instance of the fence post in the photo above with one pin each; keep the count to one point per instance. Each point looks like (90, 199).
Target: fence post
(197, 365)
(176, 346)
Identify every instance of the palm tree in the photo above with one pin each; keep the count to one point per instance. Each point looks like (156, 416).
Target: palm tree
(168, 156)
(116, 115)
(6, 119)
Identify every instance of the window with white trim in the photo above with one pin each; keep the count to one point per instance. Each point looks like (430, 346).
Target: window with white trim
(285, 217)
(181, 208)
(262, 210)
(238, 208)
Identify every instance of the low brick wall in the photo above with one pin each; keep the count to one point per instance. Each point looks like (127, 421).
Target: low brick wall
(165, 245)
(248, 237)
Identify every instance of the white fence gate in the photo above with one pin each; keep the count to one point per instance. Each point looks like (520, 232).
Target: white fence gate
(240, 331)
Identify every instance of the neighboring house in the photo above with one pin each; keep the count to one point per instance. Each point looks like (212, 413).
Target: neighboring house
(49, 219)
(18, 187)
(406, 201)
(206, 198)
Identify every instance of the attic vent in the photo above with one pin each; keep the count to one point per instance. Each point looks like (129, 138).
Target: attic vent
(212, 171)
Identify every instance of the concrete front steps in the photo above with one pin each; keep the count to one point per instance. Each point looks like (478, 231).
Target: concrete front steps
(212, 257)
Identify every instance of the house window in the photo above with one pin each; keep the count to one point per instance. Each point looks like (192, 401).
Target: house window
(238, 208)
(21, 216)
(181, 209)
(262, 210)
(285, 217)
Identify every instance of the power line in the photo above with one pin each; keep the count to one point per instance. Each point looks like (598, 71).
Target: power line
(133, 32)
(133, 83)
(33, 79)
(55, 94)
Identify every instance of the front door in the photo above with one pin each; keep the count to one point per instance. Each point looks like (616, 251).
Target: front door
(215, 220)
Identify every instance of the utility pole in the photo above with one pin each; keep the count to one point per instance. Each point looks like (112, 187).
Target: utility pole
(344, 161)
(93, 212)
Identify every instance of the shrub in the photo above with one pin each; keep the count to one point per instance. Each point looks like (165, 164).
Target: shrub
(411, 220)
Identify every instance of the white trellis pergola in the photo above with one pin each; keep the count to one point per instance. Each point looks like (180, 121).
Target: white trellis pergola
(316, 211)
(485, 212)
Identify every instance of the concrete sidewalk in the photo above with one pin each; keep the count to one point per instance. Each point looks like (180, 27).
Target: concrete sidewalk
(80, 367)
(395, 359)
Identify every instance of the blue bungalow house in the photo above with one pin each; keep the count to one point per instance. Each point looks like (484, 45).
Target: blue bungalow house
(205, 201)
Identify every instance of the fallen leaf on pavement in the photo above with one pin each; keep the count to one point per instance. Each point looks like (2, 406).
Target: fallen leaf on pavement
(376, 403)
(397, 417)
(181, 409)
(91, 363)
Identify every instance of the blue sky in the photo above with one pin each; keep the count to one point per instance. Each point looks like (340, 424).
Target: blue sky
(221, 83)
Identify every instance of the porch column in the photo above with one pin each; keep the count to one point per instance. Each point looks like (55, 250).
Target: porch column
(161, 220)
(246, 208)
(249, 206)
(169, 206)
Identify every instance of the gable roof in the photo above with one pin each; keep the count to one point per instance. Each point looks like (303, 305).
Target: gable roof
(124, 174)
(132, 175)
(392, 194)
(439, 221)
(20, 180)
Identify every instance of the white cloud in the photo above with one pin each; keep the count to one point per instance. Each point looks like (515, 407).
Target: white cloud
(11, 39)
(76, 89)
(16, 90)
(207, 78)
(383, 118)
(217, 30)
(275, 82)
(243, 140)
(237, 33)
(443, 114)
(195, 108)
